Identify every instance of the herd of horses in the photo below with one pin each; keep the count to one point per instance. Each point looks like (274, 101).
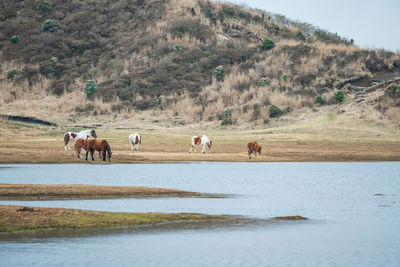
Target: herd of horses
(104, 149)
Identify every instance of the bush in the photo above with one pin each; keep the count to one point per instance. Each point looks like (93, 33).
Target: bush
(274, 111)
(339, 96)
(228, 112)
(50, 26)
(11, 73)
(54, 60)
(14, 39)
(90, 87)
(319, 100)
(44, 6)
(263, 82)
(267, 44)
(392, 91)
(219, 74)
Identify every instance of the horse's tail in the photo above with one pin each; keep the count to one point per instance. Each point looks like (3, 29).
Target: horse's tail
(108, 148)
(140, 139)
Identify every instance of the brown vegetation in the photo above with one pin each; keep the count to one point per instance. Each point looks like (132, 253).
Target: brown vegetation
(163, 62)
(60, 192)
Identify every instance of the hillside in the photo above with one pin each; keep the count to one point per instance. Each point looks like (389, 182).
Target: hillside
(184, 61)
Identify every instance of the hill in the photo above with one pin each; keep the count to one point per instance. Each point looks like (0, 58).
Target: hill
(184, 61)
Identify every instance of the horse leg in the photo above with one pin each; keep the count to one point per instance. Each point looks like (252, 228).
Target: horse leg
(137, 147)
(190, 149)
(104, 154)
(92, 153)
(203, 150)
(87, 152)
(131, 145)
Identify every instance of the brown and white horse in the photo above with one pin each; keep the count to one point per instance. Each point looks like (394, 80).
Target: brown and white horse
(201, 141)
(68, 136)
(135, 139)
(253, 147)
(98, 145)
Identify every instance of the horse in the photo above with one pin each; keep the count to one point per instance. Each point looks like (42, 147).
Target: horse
(98, 145)
(253, 147)
(201, 141)
(74, 136)
(135, 139)
(82, 144)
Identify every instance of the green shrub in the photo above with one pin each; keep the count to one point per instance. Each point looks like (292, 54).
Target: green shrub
(319, 100)
(300, 36)
(226, 122)
(49, 69)
(219, 74)
(14, 39)
(339, 96)
(44, 6)
(228, 112)
(263, 82)
(267, 44)
(193, 11)
(11, 73)
(90, 87)
(284, 77)
(50, 26)
(392, 91)
(274, 111)
(54, 60)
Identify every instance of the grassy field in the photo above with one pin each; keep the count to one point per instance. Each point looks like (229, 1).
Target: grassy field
(18, 218)
(330, 137)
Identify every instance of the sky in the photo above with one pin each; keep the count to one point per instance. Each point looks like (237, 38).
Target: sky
(371, 23)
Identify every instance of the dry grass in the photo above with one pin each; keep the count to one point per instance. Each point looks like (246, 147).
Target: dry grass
(62, 192)
(330, 137)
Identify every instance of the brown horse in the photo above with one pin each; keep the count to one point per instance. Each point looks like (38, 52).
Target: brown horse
(82, 144)
(253, 147)
(98, 145)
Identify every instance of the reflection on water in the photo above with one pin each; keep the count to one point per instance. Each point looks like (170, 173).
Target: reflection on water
(354, 209)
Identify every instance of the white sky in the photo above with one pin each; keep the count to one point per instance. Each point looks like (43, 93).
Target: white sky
(371, 23)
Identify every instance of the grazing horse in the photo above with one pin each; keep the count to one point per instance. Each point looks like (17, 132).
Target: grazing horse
(135, 139)
(82, 144)
(202, 141)
(253, 147)
(98, 145)
(74, 136)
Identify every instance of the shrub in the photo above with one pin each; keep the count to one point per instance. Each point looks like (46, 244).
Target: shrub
(319, 100)
(50, 26)
(44, 6)
(392, 91)
(267, 44)
(49, 69)
(226, 122)
(263, 82)
(90, 87)
(54, 60)
(219, 74)
(228, 112)
(284, 77)
(339, 96)
(11, 73)
(274, 111)
(14, 39)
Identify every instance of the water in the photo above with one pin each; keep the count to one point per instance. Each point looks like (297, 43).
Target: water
(349, 226)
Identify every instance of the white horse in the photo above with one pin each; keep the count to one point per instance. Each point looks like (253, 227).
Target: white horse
(135, 139)
(202, 141)
(74, 136)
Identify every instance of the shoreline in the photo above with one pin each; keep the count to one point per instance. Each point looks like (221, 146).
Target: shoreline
(20, 219)
(41, 192)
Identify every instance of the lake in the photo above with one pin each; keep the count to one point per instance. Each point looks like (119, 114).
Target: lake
(350, 225)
